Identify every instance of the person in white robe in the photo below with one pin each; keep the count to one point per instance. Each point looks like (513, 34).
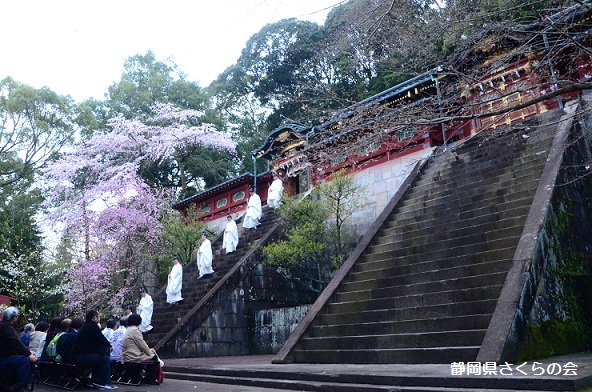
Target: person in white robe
(275, 192)
(145, 310)
(254, 212)
(204, 257)
(175, 283)
(230, 241)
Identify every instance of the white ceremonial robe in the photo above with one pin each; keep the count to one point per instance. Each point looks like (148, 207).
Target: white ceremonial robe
(204, 258)
(254, 212)
(230, 241)
(145, 310)
(175, 284)
(274, 193)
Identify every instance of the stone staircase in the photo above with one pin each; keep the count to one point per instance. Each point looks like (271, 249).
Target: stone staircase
(425, 289)
(166, 319)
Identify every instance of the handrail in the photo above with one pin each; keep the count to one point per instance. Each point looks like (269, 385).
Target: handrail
(223, 281)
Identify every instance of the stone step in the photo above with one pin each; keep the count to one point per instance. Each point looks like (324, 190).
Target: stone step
(467, 337)
(470, 195)
(404, 355)
(464, 152)
(454, 218)
(384, 260)
(470, 163)
(463, 172)
(254, 381)
(421, 252)
(397, 290)
(454, 238)
(249, 371)
(413, 313)
(493, 201)
(431, 275)
(166, 317)
(462, 229)
(461, 180)
(369, 300)
(440, 324)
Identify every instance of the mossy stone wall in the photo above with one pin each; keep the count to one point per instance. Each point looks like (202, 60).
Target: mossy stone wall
(560, 319)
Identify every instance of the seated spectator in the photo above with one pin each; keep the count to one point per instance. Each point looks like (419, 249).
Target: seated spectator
(37, 337)
(91, 350)
(52, 331)
(134, 348)
(110, 327)
(52, 346)
(117, 339)
(25, 336)
(66, 341)
(15, 357)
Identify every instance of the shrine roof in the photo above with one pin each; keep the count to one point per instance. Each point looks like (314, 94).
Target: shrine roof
(484, 43)
(290, 134)
(243, 178)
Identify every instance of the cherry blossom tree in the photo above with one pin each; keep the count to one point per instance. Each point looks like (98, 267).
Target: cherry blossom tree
(100, 198)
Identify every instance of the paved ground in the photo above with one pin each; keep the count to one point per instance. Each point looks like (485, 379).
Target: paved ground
(534, 371)
(541, 369)
(174, 386)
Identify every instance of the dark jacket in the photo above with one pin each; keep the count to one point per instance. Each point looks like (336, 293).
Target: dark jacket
(90, 340)
(10, 345)
(65, 344)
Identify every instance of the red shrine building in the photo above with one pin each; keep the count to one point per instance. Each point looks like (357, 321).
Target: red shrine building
(369, 141)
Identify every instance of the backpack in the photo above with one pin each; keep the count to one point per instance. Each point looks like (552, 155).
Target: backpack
(52, 348)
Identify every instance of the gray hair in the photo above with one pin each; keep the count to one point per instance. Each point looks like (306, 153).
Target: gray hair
(9, 313)
(29, 327)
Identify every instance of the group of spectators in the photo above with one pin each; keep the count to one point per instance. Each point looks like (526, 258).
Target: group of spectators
(74, 341)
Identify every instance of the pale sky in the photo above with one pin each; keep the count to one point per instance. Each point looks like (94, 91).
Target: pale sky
(78, 47)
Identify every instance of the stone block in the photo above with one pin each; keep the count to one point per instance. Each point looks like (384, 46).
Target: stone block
(369, 200)
(238, 334)
(225, 335)
(235, 349)
(230, 320)
(362, 217)
(206, 349)
(382, 200)
(379, 187)
(220, 350)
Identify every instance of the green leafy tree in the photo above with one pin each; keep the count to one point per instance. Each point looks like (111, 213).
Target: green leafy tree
(35, 124)
(146, 81)
(269, 70)
(303, 248)
(246, 120)
(182, 233)
(341, 198)
(19, 232)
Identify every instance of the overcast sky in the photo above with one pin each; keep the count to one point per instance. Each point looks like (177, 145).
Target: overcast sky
(78, 47)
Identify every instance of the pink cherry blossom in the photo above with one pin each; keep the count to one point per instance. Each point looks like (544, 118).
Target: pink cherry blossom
(100, 199)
